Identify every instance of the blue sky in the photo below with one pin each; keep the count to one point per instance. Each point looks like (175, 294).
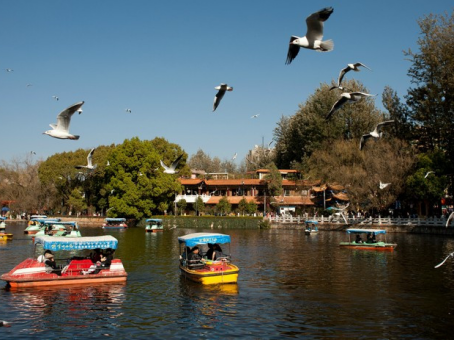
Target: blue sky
(162, 59)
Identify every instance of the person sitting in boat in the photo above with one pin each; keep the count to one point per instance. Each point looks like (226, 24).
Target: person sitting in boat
(369, 238)
(194, 257)
(104, 263)
(217, 254)
(210, 252)
(358, 240)
(50, 264)
(373, 238)
(95, 256)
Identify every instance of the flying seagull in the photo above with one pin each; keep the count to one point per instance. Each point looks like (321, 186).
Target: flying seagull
(173, 166)
(450, 255)
(346, 97)
(428, 173)
(234, 156)
(9, 70)
(55, 97)
(449, 219)
(222, 89)
(255, 116)
(128, 110)
(350, 67)
(376, 133)
(89, 161)
(314, 35)
(383, 185)
(61, 130)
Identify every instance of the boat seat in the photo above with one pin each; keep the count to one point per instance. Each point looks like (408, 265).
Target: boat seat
(79, 265)
(194, 266)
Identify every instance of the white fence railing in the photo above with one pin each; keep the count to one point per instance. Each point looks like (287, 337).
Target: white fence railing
(431, 221)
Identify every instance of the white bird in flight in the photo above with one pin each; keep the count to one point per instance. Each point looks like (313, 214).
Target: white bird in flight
(55, 97)
(173, 166)
(376, 133)
(234, 156)
(255, 116)
(314, 35)
(428, 173)
(61, 129)
(450, 255)
(128, 110)
(350, 67)
(346, 97)
(89, 161)
(9, 70)
(383, 185)
(222, 89)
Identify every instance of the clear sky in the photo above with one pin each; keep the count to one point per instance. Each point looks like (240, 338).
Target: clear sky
(162, 59)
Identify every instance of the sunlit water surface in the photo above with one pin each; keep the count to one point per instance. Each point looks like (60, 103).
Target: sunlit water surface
(291, 286)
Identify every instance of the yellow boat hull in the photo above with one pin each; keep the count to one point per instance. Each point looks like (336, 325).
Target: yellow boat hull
(206, 276)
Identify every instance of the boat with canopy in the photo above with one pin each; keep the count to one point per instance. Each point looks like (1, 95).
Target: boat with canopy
(371, 242)
(68, 229)
(214, 265)
(37, 224)
(154, 225)
(311, 227)
(73, 269)
(114, 223)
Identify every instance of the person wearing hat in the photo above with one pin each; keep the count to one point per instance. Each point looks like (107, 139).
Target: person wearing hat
(50, 264)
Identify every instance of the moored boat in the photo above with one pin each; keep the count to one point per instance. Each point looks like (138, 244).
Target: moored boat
(6, 236)
(33, 272)
(311, 227)
(154, 225)
(114, 223)
(68, 229)
(371, 243)
(210, 269)
(2, 223)
(37, 224)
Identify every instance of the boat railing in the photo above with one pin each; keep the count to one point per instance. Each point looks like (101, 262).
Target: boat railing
(339, 220)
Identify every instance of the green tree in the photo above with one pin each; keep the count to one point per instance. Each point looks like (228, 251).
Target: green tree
(243, 206)
(300, 135)
(137, 185)
(431, 100)
(199, 206)
(273, 180)
(76, 201)
(223, 206)
(251, 207)
(182, 204)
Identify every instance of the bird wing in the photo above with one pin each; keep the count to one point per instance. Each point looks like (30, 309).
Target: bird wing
(359, 94)
(364, 138)
(176, 162)
(217, 98)
(336, 106)
(89, 158)
(361, 64)
(449, 219)
(342, 74)
(163, 165)
(315, 22)
(384, 123)
(64, 118)
(292, 51)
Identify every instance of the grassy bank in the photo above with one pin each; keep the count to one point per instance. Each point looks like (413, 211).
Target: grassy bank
(208, 222)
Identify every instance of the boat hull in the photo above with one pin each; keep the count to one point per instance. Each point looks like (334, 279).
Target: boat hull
(366, 246)
(210, 275)
(6, 236)
(32, 273)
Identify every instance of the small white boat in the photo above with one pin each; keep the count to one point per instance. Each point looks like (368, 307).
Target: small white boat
(154, 225)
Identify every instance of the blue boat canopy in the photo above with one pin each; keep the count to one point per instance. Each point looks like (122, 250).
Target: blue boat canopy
(81, 243)
(194, 239)
(373, 231)
(37, 216)
(3, 218)
(71, 223)
(115, 219)
(153, 220)
(43, 220)
(311, 222)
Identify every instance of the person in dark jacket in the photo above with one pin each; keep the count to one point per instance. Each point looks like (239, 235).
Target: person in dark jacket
(50, 264)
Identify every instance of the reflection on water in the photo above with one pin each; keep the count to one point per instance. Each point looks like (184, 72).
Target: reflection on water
(290, 286)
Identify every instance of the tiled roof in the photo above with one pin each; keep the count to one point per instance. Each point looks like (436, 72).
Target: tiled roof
(293, 200)
(234, 199)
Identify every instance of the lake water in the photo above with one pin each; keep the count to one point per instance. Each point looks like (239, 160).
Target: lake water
(291, 286)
